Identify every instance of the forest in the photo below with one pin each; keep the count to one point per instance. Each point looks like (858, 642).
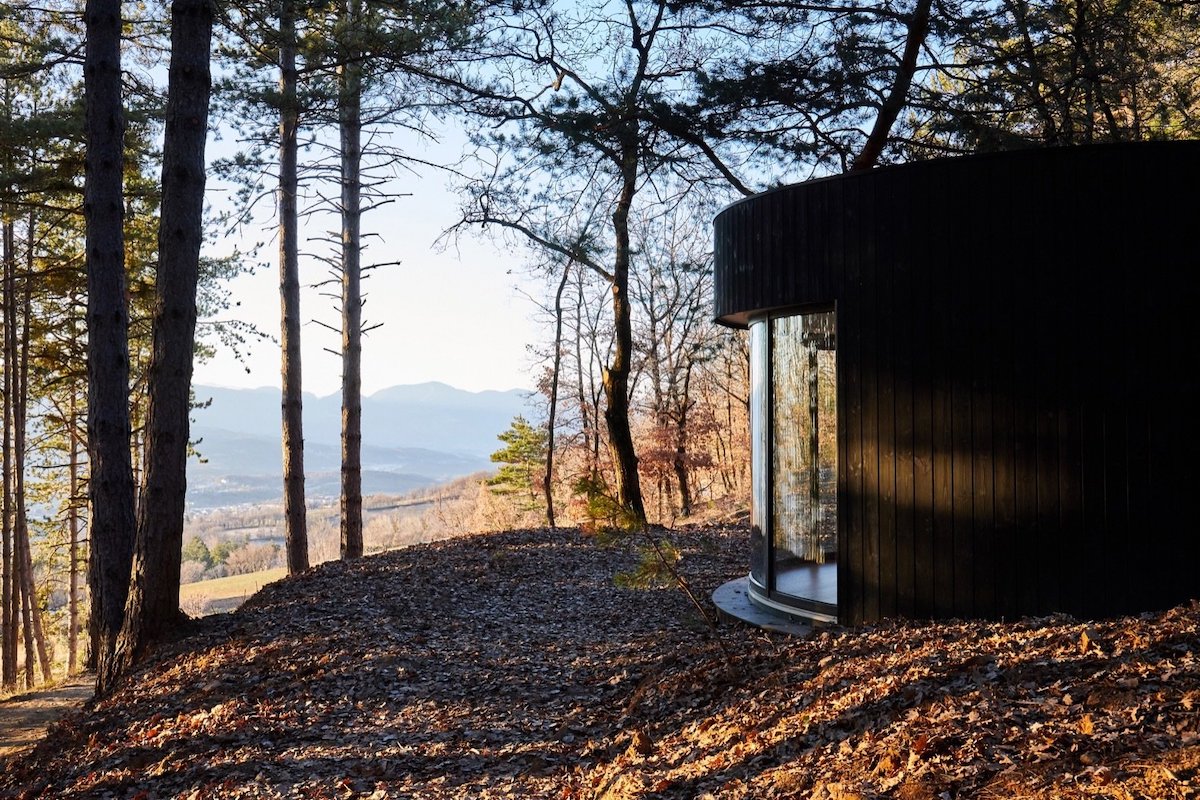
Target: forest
(602, 138)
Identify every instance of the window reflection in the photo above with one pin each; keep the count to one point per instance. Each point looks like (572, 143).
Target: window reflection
(803, 367)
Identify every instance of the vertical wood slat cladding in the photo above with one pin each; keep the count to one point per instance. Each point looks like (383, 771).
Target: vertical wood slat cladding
(901, 333)
(1046, 297)
(959, 281)
(1001, 331)
(850, 579)
(946, 343)
(886, 412)
(1017, 386)
(923, 551)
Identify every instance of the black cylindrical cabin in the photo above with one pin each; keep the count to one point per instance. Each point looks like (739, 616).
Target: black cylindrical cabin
(974, 387)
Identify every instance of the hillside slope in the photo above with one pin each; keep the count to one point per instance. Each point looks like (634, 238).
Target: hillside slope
(510, 666)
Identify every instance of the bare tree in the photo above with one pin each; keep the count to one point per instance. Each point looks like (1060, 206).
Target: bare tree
(365, 63)
(9, 614)
(584, 119)
(268, 125)
(552, 417)
(74, 473)
(673, 296)
(18, 361)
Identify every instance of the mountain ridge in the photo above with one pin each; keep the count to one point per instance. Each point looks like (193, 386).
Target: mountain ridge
(414, 435)
(370, 395)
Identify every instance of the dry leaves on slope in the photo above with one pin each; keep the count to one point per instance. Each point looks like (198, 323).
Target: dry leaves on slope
(510, 666)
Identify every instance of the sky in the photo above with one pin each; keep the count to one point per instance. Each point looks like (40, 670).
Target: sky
(462, 316)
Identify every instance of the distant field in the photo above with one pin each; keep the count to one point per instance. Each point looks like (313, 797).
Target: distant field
(226, 594)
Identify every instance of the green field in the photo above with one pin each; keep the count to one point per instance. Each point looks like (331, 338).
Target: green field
(226, 594)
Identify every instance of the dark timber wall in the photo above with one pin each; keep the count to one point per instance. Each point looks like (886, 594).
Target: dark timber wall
(1018, 403)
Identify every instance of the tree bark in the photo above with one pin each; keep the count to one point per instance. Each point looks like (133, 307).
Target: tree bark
(586, 417)
(11, 590)
(679, 461)
(26, 615)
(110, 487)
(616, 375)
(20, 418)
(548, 478)
(73, 550)
(350, 126)
(294, 512)
(35, 635)
(153, 612)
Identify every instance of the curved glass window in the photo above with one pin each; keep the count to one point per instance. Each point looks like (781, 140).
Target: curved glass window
(760, 416)
(794, 462)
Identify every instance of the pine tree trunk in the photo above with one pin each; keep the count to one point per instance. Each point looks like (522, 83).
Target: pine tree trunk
(35, 634)
(350, 125)
(110, 487)
(616, 376)
(588, 421)
(893, 104)
(679, 462)
(152, 612)
(11, 590)
(548, 478)
(294, 513)
(73, 531)
(8, 657)
(679, 466)
(20, 418)
(26, 619)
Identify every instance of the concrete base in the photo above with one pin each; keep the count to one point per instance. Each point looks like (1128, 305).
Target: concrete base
(733, 601)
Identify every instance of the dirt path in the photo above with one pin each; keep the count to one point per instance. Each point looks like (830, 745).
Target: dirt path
(24, 718)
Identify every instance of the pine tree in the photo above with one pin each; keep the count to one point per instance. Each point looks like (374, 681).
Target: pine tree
(152, 611)
(111, 519)
(292, 385)
(196, 550)
(522, 459)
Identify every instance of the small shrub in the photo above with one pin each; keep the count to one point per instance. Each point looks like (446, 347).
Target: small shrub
(656, 567)
(194, 605)
(254, 558)
(600, 510)
(191, 571)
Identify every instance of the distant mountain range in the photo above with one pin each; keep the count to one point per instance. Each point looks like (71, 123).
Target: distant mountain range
(413, 436)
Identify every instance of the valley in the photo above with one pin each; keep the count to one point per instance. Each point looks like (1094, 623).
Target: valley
(425, 452)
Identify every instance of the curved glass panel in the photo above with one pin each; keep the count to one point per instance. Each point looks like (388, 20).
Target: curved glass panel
(760, 397)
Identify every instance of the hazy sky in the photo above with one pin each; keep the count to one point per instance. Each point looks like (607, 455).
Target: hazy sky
(457, 316)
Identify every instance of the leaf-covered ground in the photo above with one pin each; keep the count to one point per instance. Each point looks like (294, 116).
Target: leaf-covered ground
(510, 666)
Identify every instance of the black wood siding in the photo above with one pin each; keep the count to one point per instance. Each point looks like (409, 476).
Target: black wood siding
(1018, 400)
